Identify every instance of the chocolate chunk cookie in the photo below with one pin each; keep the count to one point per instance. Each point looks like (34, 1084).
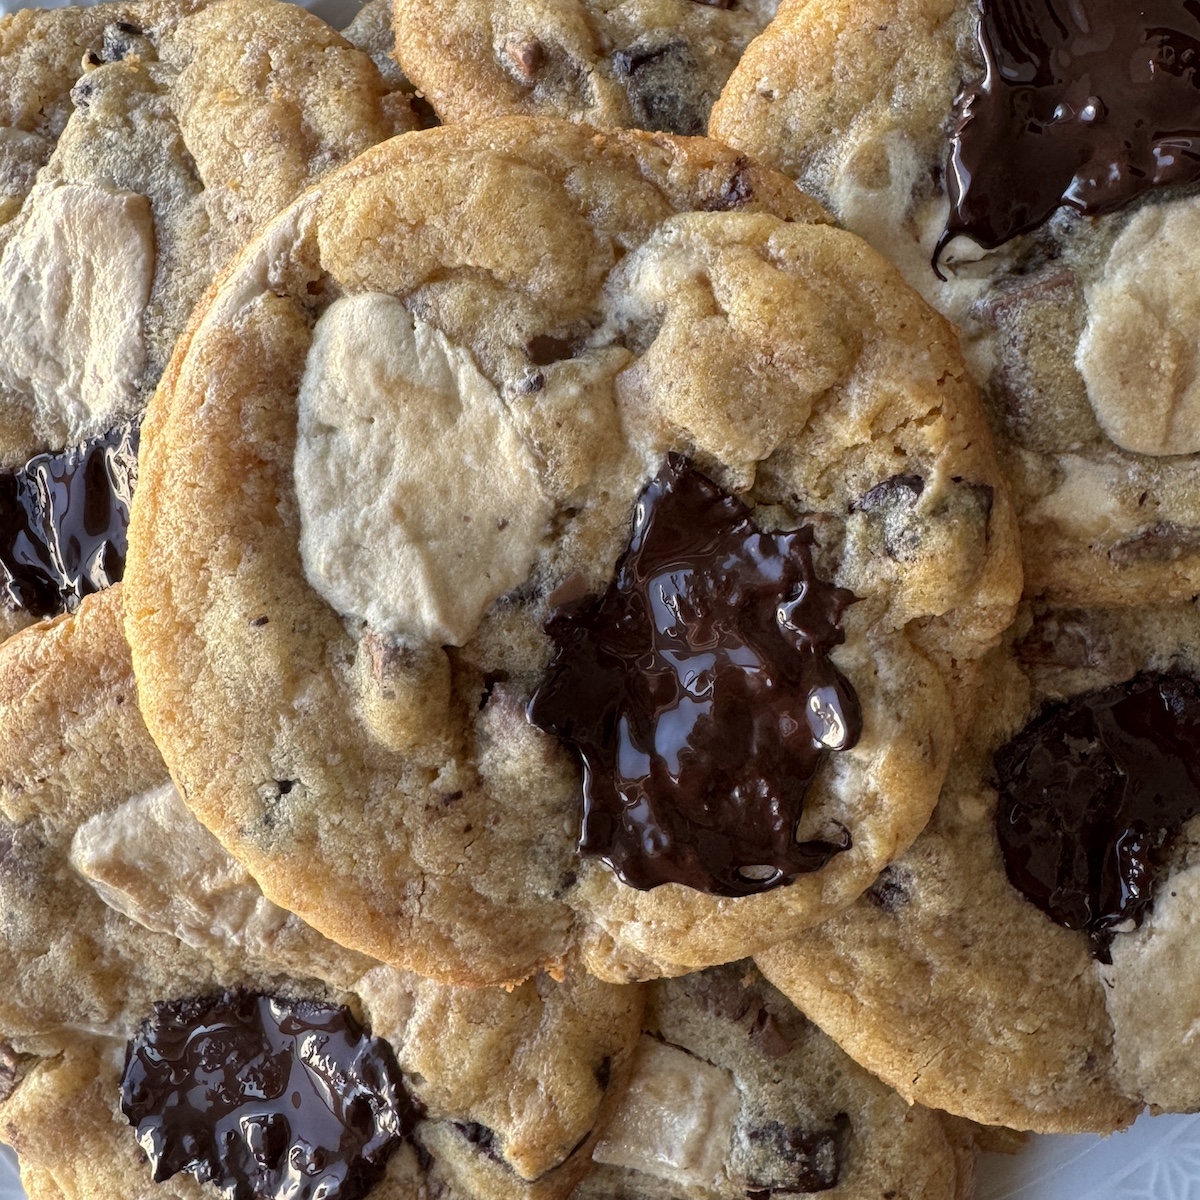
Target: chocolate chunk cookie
(1032, 169)
(132, 939)
(140, 145)
(645, 64)
(422, 457)
(735, 1094)
(1030, 960)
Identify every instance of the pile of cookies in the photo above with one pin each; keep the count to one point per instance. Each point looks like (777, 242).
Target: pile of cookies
(541, 658)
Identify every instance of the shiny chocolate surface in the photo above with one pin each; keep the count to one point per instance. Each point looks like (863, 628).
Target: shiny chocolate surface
(63, 523)
(1092, 793)
(698, 693)
(1083, 103)
(268, 1099)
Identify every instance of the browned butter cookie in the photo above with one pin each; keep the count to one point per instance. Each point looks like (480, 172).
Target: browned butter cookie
(646, 64)
(644, 510)
(1032, 168)
(1030, 960)
(165, 1026)
(140, 145)
(735, 1094)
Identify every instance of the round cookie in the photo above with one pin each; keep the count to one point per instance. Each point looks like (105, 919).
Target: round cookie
(116, 900)
(1079, 319)
(140, 145)
(734, 1094)
(408, 425)
(641, 64)
(1061, 1001)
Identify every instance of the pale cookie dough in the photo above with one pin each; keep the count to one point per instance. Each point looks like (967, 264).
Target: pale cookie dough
(115, 897)
(957, 990)
(1083, 332)
(643, 64)
(389, 788)
(734, 1094)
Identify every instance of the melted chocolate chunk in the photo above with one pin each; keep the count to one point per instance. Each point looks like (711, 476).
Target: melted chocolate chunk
(1084, 103)
(264, 1097)
(63, 522)
(1092, 793)
(698, 693)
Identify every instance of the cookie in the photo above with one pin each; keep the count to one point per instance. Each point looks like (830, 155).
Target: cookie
(641, 64)
(140, 145)
(1029, 960)
(123, 914)
(735, 1094)
(1058, 215)
(411, 427)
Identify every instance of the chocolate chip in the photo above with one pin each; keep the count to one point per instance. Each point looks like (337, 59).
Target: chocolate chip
(892, 889)
(81, 94)
(768, 1037)
(63, 522)
(259, 622)
(725, 4)
(1162, 541)
(662, 81)
(698, 692)
(525, 56)
(530, 384)
(798, 1159)
(898, 490)
(545, 349)
(603, 1073)
(1093, 793)
(736, 190)
(119, 40)
(482, 1138)
(722, 992)
(1085, 106)
(264, 1097)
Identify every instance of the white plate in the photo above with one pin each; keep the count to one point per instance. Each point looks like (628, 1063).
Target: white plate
(1157, 1159)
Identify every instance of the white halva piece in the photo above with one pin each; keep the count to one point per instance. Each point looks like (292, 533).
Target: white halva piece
(153, 861)
(75, 280)
(1140, 351)
(1153, 996)
(677, 1119)
(420, 503)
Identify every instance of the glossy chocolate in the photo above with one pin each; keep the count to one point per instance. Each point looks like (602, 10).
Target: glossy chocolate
(269, 1099)
(1083, 103)
(698, 692)
(63, 522)
(1092, 793)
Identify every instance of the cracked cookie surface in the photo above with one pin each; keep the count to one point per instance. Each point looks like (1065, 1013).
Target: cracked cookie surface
(397, 363)
(961, 982)
(1081, 329)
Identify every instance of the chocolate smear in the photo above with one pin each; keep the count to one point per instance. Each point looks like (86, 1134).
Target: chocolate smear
(698, 693)
(1092, 794)
(267, 1098)
(1083, 103)
(63, 522)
